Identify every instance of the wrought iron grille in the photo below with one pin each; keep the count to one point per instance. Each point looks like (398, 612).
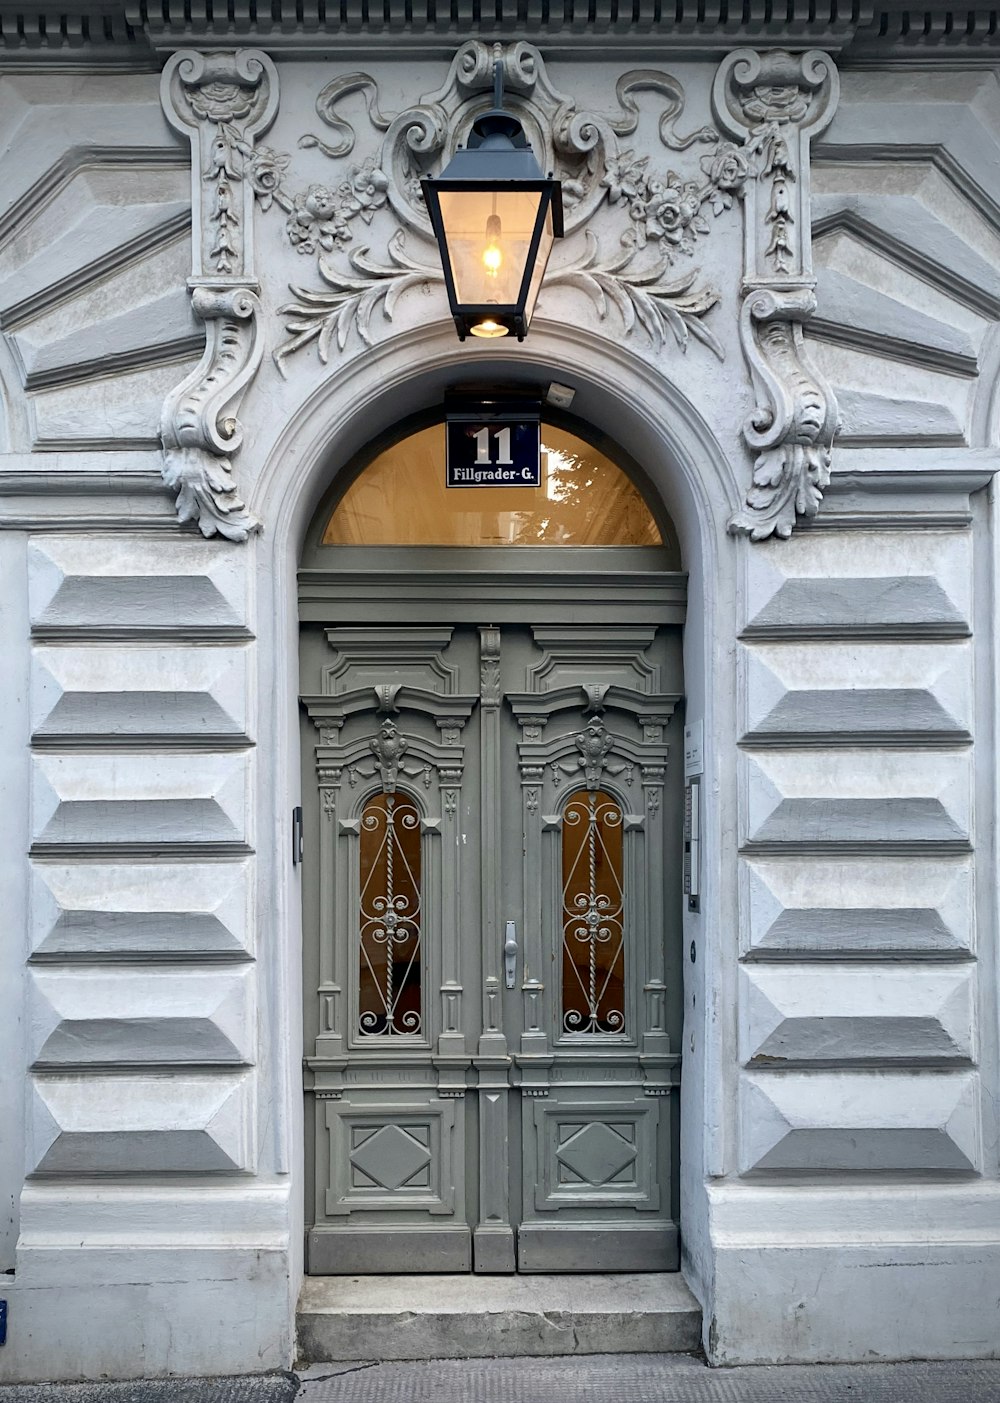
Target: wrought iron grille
(593, 965)
(389, 984)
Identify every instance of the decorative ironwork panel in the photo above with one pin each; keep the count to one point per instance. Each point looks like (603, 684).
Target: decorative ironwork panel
(593, 962)
(389, 986)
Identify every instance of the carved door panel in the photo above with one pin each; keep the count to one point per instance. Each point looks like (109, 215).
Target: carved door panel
(490, 884)
(391, 902)
(596, 1056)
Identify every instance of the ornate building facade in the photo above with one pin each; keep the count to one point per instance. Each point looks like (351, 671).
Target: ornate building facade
(367, 909)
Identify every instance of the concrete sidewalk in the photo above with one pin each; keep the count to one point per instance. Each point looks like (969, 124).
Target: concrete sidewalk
(599, 1378)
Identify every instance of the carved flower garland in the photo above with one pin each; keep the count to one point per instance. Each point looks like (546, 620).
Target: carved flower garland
(668, 210)
(665, 211)
(318, 217)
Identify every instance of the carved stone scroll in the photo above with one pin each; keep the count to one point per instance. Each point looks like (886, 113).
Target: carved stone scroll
(775, 103)
(653, 216)
(222, 102)
(198, 428)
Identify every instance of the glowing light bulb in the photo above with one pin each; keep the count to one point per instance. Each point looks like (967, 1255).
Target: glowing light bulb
(492, 253)
(488, 328)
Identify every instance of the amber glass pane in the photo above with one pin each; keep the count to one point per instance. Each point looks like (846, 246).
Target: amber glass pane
(593, 966)
(389, 986)
(488, 264)
(401, 500)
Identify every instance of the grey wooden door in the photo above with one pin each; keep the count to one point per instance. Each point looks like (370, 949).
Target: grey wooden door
(492, 907)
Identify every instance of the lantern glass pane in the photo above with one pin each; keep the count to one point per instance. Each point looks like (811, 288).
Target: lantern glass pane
(538, 272)
(488, 233)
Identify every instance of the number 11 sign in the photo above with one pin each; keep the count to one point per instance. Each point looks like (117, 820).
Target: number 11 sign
(499, 448)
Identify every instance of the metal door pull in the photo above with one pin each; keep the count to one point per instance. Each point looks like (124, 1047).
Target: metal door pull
(510, 955)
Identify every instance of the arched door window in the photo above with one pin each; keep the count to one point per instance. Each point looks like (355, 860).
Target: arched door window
(389, 990)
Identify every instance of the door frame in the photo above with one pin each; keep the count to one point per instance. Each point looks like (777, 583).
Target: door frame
(652, 416)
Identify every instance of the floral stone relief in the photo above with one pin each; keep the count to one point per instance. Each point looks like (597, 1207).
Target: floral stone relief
(655, 215)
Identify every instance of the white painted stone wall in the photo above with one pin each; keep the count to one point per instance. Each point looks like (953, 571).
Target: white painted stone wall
(839, 1158)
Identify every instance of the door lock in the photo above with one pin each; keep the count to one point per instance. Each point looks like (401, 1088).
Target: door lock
(510, 955)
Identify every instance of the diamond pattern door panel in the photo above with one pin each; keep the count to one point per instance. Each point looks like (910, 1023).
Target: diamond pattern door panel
(393, 1155)
(593, 1155)
(596, 1154)
(390, 1157)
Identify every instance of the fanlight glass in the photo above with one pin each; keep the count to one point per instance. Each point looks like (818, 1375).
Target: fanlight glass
(584, 500)
(389, 918)
(593, 963)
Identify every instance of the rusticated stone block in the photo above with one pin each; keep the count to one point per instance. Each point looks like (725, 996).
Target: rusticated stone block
(117, 1017)
(95, 910)
(846, 584)
(857, 907)
(163, 695)
(137, 800)
(857, 799)
(863, 1014)
(844, 690)
(112, 587)
(843, 1122)
(141, 1124)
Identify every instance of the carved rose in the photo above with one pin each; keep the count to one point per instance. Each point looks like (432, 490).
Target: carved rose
(315, 219)
(365, 192)
(671, 210)
(319, 202)
(266, 174)
(728, 168)
(220, 102)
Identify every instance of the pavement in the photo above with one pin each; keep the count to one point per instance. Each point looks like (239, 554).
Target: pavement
(596, 1378)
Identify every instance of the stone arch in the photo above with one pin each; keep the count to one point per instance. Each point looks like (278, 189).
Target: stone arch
(629, 398)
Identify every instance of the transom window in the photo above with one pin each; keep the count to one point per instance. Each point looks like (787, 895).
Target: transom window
(401, 499)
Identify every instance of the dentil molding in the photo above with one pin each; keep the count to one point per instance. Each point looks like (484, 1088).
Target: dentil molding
(634, 227)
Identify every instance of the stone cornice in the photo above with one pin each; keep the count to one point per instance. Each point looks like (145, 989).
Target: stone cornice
(35, 33)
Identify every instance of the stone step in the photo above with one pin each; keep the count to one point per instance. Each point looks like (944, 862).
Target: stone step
(473, 1317)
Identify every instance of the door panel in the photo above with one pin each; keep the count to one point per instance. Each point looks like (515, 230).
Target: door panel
(471, 789)
(594, 1055)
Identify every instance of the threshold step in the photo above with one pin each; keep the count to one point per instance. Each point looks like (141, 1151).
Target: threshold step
(476, 1317)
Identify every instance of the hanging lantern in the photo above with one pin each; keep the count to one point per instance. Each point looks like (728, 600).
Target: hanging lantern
(495, 217)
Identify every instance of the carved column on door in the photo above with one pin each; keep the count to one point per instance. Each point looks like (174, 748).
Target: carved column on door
(535, 1058)
(451, 1059)
(657, 1057)
(493, 1238)
(329, 776)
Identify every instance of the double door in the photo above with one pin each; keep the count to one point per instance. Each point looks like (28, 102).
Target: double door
(491, 909)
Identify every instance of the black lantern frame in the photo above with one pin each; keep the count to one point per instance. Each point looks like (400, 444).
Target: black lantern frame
(498, 160)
